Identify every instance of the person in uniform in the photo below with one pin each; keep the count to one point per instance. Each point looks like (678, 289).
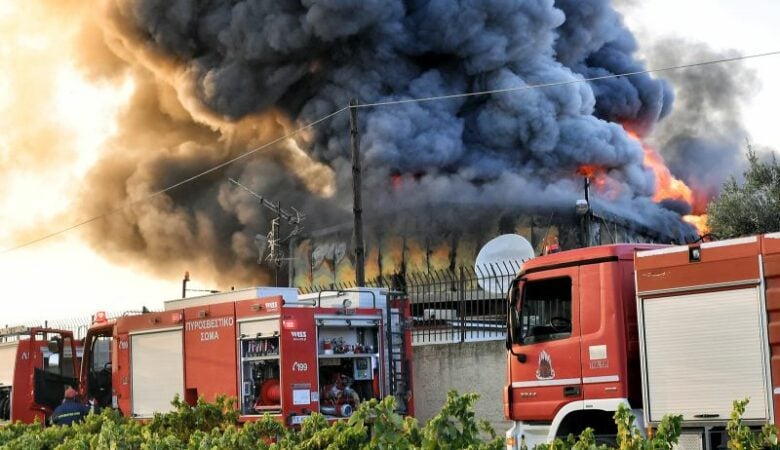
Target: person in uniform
(70, 410)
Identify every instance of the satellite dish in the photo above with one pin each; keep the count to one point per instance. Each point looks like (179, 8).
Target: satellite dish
(499, 260)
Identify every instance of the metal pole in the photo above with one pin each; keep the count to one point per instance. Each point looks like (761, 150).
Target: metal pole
(462, 304)
(184, 284)
(588, 214)
(357, 207)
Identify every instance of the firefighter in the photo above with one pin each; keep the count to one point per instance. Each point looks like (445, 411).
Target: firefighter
(70, 410)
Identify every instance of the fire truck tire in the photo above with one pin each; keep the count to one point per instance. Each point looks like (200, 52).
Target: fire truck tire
(608, 441)
(600, 421)
(5, 406)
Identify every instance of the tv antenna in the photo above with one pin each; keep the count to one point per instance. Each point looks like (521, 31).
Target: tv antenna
(274, 240)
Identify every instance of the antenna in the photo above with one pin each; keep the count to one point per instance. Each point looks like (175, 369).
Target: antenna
(292, 218)
(273, 240)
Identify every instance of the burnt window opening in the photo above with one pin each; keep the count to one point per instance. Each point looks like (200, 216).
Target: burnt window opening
(545, 312)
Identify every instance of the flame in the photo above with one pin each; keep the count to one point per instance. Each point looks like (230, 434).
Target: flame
(395, 180)
(597, 175)
(698, 221)
(667, 187)
(588, 170)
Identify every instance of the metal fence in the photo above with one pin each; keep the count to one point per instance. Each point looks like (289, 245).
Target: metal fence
(450, 306)
(447, 306)
(79, 326)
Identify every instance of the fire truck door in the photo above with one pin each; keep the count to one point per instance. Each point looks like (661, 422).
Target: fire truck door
(54, 370)
(551, 374)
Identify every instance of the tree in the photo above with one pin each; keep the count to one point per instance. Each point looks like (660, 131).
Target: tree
(753, 207)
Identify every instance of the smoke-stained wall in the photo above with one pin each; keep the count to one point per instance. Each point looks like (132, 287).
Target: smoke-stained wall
(326, 259)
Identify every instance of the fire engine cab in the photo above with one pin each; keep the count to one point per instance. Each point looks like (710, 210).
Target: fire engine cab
(286, 355)
(36, 366)
(663, 329)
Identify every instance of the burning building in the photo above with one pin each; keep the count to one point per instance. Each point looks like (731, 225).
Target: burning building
(475, 118)
(325, 258)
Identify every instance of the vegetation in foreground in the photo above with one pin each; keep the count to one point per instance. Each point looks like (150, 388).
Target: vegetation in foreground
(752, 207)
(374, 425)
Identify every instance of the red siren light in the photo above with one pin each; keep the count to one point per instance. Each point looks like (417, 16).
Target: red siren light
(100, 317)
(551, 246)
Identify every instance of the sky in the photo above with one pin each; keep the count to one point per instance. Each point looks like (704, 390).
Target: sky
(63, 277)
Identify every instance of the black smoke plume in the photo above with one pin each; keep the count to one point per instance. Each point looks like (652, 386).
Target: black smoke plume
(216, 78)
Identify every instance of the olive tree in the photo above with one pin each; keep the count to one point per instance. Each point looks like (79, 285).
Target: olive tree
(752, 207)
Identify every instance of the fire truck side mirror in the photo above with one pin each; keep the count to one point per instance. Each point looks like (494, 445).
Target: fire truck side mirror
(509, 340)
(514, 331)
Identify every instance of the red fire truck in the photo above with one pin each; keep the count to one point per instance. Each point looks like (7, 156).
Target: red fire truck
(286, 355)
(36, 365)
(663, 329)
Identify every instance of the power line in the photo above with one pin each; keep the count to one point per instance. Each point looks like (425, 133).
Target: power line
(563, 83)
(379, 104)
(174, 186)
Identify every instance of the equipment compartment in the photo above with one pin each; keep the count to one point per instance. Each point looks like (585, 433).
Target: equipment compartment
(348, 363)
(259, 367)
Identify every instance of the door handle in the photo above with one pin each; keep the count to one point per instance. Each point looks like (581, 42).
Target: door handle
(571, 391)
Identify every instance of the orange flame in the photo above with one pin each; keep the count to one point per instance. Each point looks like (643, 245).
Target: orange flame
(395, 180)
(700, 222)
(667, 187)
(598, 179)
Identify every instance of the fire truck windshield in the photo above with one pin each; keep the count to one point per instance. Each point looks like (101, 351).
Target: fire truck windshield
(58, 357)
(545, 311)
(99, 370)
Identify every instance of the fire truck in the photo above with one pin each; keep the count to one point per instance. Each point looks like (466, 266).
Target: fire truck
(663, 329)
(285, 355)
(36, 365)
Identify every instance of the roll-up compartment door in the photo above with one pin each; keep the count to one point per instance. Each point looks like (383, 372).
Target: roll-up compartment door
(157, 367)
(262, 327)
(702, 352)
(7, 362)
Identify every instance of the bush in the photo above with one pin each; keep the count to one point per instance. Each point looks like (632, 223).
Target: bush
(374, 425)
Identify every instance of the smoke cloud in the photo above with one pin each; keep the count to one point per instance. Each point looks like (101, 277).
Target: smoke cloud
(213, 79)
(704, 141)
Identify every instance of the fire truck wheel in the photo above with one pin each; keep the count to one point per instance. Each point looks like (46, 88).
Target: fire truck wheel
(606, 440)
(5, 408)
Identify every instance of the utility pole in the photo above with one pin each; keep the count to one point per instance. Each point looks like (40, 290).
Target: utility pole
(357, 206)
(274, 238)
(589, 213)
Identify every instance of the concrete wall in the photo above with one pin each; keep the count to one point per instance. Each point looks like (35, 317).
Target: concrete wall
(466, 367)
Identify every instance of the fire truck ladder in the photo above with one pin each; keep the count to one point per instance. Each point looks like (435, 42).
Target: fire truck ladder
(400, 372)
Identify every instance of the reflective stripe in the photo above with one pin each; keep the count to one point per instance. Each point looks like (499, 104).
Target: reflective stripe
(736, 241)
(566, 381)
(661, 251)
(604, 379)
(540, 383)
